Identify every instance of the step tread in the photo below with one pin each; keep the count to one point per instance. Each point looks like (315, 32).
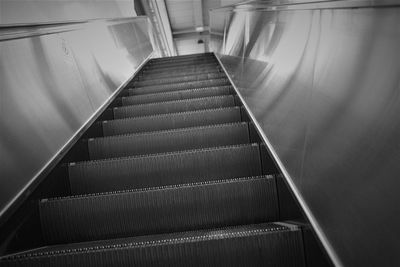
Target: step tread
(176, 95)
(155, 188)
(168, 130)
(186, 78)
(181, 207)
(181, 66)
(173, 106)
(191, 151)
(141, 78)
(280, 245)
(178, 84)
(179, 73)
(171, 120)
(183, 62)
(168, 140)
(165, 168)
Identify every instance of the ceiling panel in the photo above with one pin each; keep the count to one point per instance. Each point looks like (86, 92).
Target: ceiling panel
(180, 14)
(185, 16)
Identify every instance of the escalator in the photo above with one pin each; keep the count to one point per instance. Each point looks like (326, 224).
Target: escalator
(175, 175)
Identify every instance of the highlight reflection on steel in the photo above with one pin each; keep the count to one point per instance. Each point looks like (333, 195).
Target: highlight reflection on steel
(53, 80)
(322, 80)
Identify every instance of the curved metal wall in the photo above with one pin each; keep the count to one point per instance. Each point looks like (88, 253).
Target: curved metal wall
(323, 82)
(54, 78)
(46, 11)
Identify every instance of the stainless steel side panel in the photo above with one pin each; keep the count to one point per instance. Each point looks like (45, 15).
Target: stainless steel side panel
(53, 80)
(323, 82)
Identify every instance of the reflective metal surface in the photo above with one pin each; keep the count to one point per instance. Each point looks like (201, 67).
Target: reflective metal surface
(322, 81)
(53, 82)
(45, 11)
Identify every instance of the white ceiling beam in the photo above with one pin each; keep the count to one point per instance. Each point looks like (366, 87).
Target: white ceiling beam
(198, 15)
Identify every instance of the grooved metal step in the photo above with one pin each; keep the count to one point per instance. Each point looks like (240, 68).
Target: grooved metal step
(179, 73)
(159, 210)
(187, 78)
(187, 62)
(211, 65)
(199, 62)
(267, 244)
(182, 57)
(140, 77)
(168, 141)
(171, 121)
(176, 70)
(206, 54)
(165, 169)
(183, 60)
(179, 58)
(177, 95)
(179, 86)
(174, 106)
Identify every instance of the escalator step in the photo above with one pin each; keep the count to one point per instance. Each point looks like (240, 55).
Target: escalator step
(179, 66)
(158, 210)
(188, 62)
(140, 77)
(169, 140)
(165, 169)
(176, 95)
(187, 78)
(181, 73)
(171, 121)
(267, 244)
(176, 70)
(190, 56)
(180, 58)
(179, 86)
(174, 106)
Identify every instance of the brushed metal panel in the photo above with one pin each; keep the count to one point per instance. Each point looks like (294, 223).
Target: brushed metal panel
(322, 81)
(52, 83)
(33, 11)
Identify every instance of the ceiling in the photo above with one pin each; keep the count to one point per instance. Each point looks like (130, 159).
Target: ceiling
(189, 22)
(181, 25)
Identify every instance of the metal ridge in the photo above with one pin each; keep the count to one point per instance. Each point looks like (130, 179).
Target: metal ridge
(24, 30)
(279, 5)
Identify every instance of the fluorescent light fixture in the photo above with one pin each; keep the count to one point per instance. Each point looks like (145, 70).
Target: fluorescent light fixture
(200, 29)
